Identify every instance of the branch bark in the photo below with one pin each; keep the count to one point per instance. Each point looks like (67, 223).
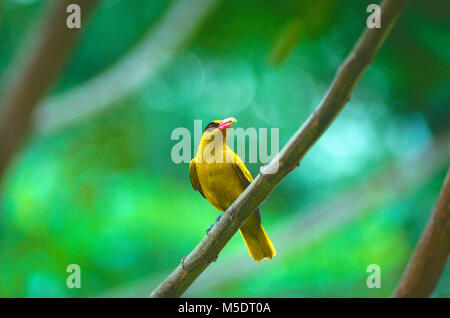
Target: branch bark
(287, 160)
(431, 253)
(40, 69)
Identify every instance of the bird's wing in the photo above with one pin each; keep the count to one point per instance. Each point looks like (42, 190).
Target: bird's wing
(194, 178)
(245, 177)
(242, 171)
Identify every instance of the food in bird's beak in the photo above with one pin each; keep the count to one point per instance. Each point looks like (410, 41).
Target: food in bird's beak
(226, 123)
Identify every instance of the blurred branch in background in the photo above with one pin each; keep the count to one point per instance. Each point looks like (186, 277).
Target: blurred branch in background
(144, 61)
(40, 68)
(363, 198)
(286, 40)
(288, 159)
(432, 250)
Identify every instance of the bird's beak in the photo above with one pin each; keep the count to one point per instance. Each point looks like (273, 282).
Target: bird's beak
(226, 123)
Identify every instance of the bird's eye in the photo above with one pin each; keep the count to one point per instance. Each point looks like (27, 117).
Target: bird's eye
(211, 126)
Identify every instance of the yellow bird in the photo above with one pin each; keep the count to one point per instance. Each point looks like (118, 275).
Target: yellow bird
(220, 176)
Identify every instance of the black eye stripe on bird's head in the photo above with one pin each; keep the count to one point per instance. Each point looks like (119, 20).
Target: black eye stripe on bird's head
(211, 125)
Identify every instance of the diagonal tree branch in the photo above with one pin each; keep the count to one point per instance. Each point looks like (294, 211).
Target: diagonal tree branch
(363, 199)
(287, 160)
(389, 184)
(431, 253)
(41, 68)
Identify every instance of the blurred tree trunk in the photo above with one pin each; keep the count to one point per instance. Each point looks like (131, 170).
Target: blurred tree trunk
(431, 253)
(38, 70)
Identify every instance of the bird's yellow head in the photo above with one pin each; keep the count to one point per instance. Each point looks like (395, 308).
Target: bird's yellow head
(212, 147)
(218, 126)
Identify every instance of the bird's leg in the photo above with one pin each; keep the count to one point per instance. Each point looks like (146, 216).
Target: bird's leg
(209, 229)
(211, 226)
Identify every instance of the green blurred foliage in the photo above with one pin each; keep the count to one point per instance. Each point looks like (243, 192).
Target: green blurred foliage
(106, 195)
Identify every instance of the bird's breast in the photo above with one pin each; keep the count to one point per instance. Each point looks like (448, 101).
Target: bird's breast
(219, 183)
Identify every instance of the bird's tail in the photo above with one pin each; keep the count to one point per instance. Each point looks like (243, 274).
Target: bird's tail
(258, 243)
